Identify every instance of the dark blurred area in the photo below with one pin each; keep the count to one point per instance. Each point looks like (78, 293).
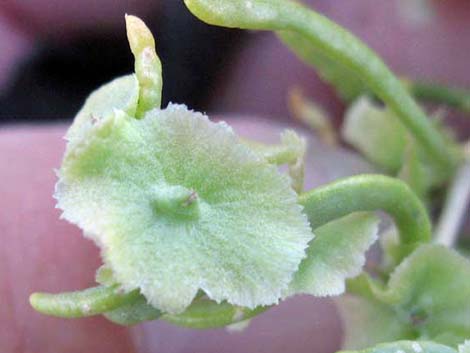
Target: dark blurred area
(54, 53)
(53, 81)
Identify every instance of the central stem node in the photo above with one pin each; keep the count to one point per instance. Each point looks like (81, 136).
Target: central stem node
(176, 200)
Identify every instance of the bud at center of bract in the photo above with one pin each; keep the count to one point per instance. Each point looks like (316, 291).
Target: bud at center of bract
(175, 200)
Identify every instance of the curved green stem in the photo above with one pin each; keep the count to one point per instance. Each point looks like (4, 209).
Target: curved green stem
(453, 97)
(131, 308)
(88, 302)
(340, 46)
(370, 193)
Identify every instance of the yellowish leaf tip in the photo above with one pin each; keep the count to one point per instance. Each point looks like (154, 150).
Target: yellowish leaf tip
(138, 34)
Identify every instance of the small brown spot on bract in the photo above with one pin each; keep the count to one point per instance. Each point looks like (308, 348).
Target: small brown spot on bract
(193, 197)
(94, 119)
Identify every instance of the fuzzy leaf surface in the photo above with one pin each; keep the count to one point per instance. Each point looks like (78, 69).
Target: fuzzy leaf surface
(177, 204)
(429, 290)
(336, 253)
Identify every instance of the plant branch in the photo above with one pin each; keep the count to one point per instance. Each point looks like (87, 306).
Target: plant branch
(338, 45)
(88, 302)
(370, 193)
(453, 97)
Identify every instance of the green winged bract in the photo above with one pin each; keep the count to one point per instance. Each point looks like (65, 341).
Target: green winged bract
(195, 225)
(176, 202)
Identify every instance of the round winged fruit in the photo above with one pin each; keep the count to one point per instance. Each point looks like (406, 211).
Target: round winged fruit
(176, 202)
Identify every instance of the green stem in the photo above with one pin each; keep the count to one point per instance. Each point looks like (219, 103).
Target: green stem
(370, 193)
(454, 97)
(338, 45)
(88, 302)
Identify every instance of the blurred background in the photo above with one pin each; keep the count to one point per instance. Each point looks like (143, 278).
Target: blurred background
(59, 51)
(53, 53)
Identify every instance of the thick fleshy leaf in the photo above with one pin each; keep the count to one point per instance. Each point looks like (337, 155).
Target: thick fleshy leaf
(407, 347)
(429, 290)
(336, 253)
(178, 204)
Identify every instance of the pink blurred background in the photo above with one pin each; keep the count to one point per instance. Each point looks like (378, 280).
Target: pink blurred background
(53, 53)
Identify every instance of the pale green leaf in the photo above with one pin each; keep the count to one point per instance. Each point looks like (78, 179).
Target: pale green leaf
(121, 93)
(291, 148)
(290, 151)
(376, 133)
(336, 253)
(178, 204)
(431, 287)
(418, 280)
(413, 171)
